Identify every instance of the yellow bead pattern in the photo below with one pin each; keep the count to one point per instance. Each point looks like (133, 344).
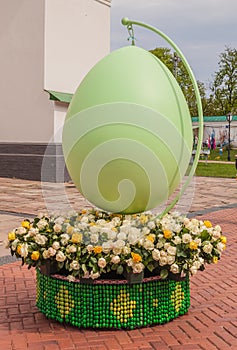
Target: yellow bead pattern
(177, 297)
(64, 301)
(155, 302)
(122, 307)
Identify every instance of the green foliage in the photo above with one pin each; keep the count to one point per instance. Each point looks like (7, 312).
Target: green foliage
(177, 68)
(224, 86)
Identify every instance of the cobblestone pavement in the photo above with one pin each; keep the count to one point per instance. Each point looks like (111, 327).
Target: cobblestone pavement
(210, 324)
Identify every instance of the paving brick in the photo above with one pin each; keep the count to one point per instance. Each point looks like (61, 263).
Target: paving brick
(210, 324)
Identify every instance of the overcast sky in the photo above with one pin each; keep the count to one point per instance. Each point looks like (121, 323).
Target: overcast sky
(201, 28)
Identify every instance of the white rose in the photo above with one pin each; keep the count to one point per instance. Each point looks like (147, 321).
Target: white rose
(94, 238)
(21, 230)
(166, 246)
(216, 234)
(186, 221)
(122, 236)
(60, 220)
(138, 267)
(174, 268)
(42, 224)
(33, 231)
(217, 228)
(60, 257)
(94, 275)
(177, 240)
(24, 250)
(90, 248)
(193, 270)
(94, 229)
(156, 254)
(74, 265)
(163, 253)
(163, 260)
(64, 238)
(111, 235)
(186, 238)
(170, 259)
(40, 239)
(207, 248)
(107, 246)
(220, 246)
(198, 241)
(160, 245)
(102, 262)
(148, 245)
(51, 251)
(171, 250)
(56, 245)
(14, 244)
(71, 278)
(177, 228)
(115, 259)
(57, 228)
(71, 249)
(46, 254)
(197, 264)
(126, 250)
(117, 251)
(119, 244)
(145, 231)
(151, 225)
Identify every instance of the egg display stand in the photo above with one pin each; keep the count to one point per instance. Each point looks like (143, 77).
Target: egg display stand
(112, 303)
(117, 303)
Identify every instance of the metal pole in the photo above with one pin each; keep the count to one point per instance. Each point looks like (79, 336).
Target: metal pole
(229, 140)
(127, 22)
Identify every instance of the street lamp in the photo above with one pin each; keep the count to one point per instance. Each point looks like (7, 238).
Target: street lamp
(229, 118)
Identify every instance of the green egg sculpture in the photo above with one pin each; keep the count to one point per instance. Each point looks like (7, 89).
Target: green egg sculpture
(127, 136)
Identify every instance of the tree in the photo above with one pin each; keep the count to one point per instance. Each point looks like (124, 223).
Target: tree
(175, 65)
(224, 86)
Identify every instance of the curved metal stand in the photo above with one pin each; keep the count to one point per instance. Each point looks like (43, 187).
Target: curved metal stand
(127, 22)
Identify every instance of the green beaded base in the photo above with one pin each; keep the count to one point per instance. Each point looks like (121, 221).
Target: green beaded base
(112, 304)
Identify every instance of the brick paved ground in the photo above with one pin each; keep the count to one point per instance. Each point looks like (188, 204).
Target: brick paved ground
(211, 322)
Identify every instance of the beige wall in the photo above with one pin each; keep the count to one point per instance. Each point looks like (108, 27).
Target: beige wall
(77, 35)
(46, 44)
(25, 110)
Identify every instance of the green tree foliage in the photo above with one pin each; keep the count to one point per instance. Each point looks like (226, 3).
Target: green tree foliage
(224, 86)
(175, 65)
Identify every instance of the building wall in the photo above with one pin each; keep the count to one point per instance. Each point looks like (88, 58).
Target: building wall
(45, 45)
(25, 110)
(77, 35)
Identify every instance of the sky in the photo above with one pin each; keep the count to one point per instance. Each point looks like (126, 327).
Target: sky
(202, 29)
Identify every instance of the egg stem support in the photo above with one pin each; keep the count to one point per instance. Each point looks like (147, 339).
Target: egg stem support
(127, 22)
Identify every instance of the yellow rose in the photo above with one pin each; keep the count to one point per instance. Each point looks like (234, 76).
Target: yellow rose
(35, 255)
(11, 236)
(76, 238)
(215, 259)
(136, 257)
(70, 229)
(207, 223)
(193, 245)
(151, 238)
(167, 234)
(25, 224)
(97, 249)
(223, 239)
(19, 249)
(143, 219)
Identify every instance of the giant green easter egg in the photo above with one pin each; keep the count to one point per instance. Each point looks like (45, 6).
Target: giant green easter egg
(127, 136)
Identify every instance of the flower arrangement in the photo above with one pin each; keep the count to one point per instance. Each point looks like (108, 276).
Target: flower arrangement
(95, 244)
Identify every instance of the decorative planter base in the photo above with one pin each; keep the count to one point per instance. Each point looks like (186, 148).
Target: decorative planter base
(112, 303)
